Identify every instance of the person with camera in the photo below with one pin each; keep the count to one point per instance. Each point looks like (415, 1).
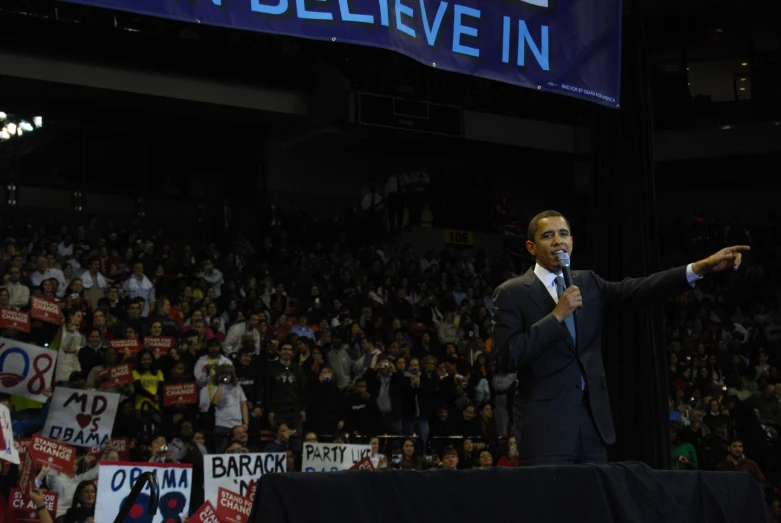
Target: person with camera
(227, 399)
(160, 452)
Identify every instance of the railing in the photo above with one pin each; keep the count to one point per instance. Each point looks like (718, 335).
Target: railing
(147, 478)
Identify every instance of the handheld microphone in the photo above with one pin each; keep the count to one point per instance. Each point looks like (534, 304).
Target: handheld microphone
(565, 270)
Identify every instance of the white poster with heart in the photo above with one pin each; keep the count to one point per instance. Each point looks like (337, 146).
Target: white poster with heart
(81, 418)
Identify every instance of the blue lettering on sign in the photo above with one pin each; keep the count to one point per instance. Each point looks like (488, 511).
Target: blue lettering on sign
(312, 469)
(508, 40)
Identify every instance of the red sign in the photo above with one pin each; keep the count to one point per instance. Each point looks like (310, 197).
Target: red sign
(127, 344)
(364, 464)
(45, 310)
(25, 472)
(180, 394)
(159, 344)
(26, 511)
(61, 457)
(117, 376)
(21, 447)
(121, 445)
(232, 507)
(11, 319)
(205, 514)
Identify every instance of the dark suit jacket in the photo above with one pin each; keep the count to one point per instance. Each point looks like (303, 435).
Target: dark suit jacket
(530, 341)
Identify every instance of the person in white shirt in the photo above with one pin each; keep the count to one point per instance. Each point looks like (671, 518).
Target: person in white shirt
(139, 286)
(45, 272)
(237, 332)
(19, 294)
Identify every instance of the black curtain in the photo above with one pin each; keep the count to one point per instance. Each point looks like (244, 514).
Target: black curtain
(617, 225)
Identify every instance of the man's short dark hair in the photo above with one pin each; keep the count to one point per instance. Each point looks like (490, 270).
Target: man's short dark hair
(531, 231)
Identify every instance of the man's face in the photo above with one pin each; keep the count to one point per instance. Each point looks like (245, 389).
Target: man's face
(736, 449)
(240, 435)
(15, 274)
(451, 461)
(286, 353)
(553, 236)
(138, 270)
(246, 358)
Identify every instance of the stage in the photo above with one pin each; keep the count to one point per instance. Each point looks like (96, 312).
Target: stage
(618, 492)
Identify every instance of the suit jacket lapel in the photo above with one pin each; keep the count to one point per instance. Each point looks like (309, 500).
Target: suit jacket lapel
(542, 298)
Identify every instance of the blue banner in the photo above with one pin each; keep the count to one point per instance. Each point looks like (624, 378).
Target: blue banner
(570, 47)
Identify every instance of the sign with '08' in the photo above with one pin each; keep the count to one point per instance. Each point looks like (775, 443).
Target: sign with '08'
(25, 370)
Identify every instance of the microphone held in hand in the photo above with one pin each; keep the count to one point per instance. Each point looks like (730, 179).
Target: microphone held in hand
(565, 270)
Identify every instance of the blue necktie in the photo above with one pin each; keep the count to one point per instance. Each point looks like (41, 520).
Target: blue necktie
(569, 322)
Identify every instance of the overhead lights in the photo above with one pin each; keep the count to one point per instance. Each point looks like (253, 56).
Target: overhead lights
(744, 64)
(11, 127)
(4, 134)
(38, 121)
(742, 79)
(726, 127)
(742, 89)
(26, 126)
(3, 116)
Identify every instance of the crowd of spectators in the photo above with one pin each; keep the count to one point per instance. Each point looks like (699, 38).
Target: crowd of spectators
(724, 348)
(329, 338)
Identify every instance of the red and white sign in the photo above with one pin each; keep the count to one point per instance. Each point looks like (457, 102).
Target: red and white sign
(59, 456)
(117, 376)
(45, 310)
(180, 394)
(121, 445)
(21, 447)
(364, 464)
(159, 345)
(8, 450)
(17, 320)
(128, 344)
(25, 370)
(205, 514)
(25, 473)
(26, 511)
(232, 507)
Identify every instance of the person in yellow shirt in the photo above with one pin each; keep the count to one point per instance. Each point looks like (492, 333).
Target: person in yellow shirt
(147, 381)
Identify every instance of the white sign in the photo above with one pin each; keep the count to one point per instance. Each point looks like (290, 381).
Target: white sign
(116, 480)
(330, 457)
(235, 471)
(25, 370)
(8, 450)
(81, 418)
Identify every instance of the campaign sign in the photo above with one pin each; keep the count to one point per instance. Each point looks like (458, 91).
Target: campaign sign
(566, 47)
(116, 480)
(330, 457)
(25, 369)
(80, 417)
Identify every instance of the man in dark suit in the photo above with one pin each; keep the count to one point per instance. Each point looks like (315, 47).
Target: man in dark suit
(552, 339)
